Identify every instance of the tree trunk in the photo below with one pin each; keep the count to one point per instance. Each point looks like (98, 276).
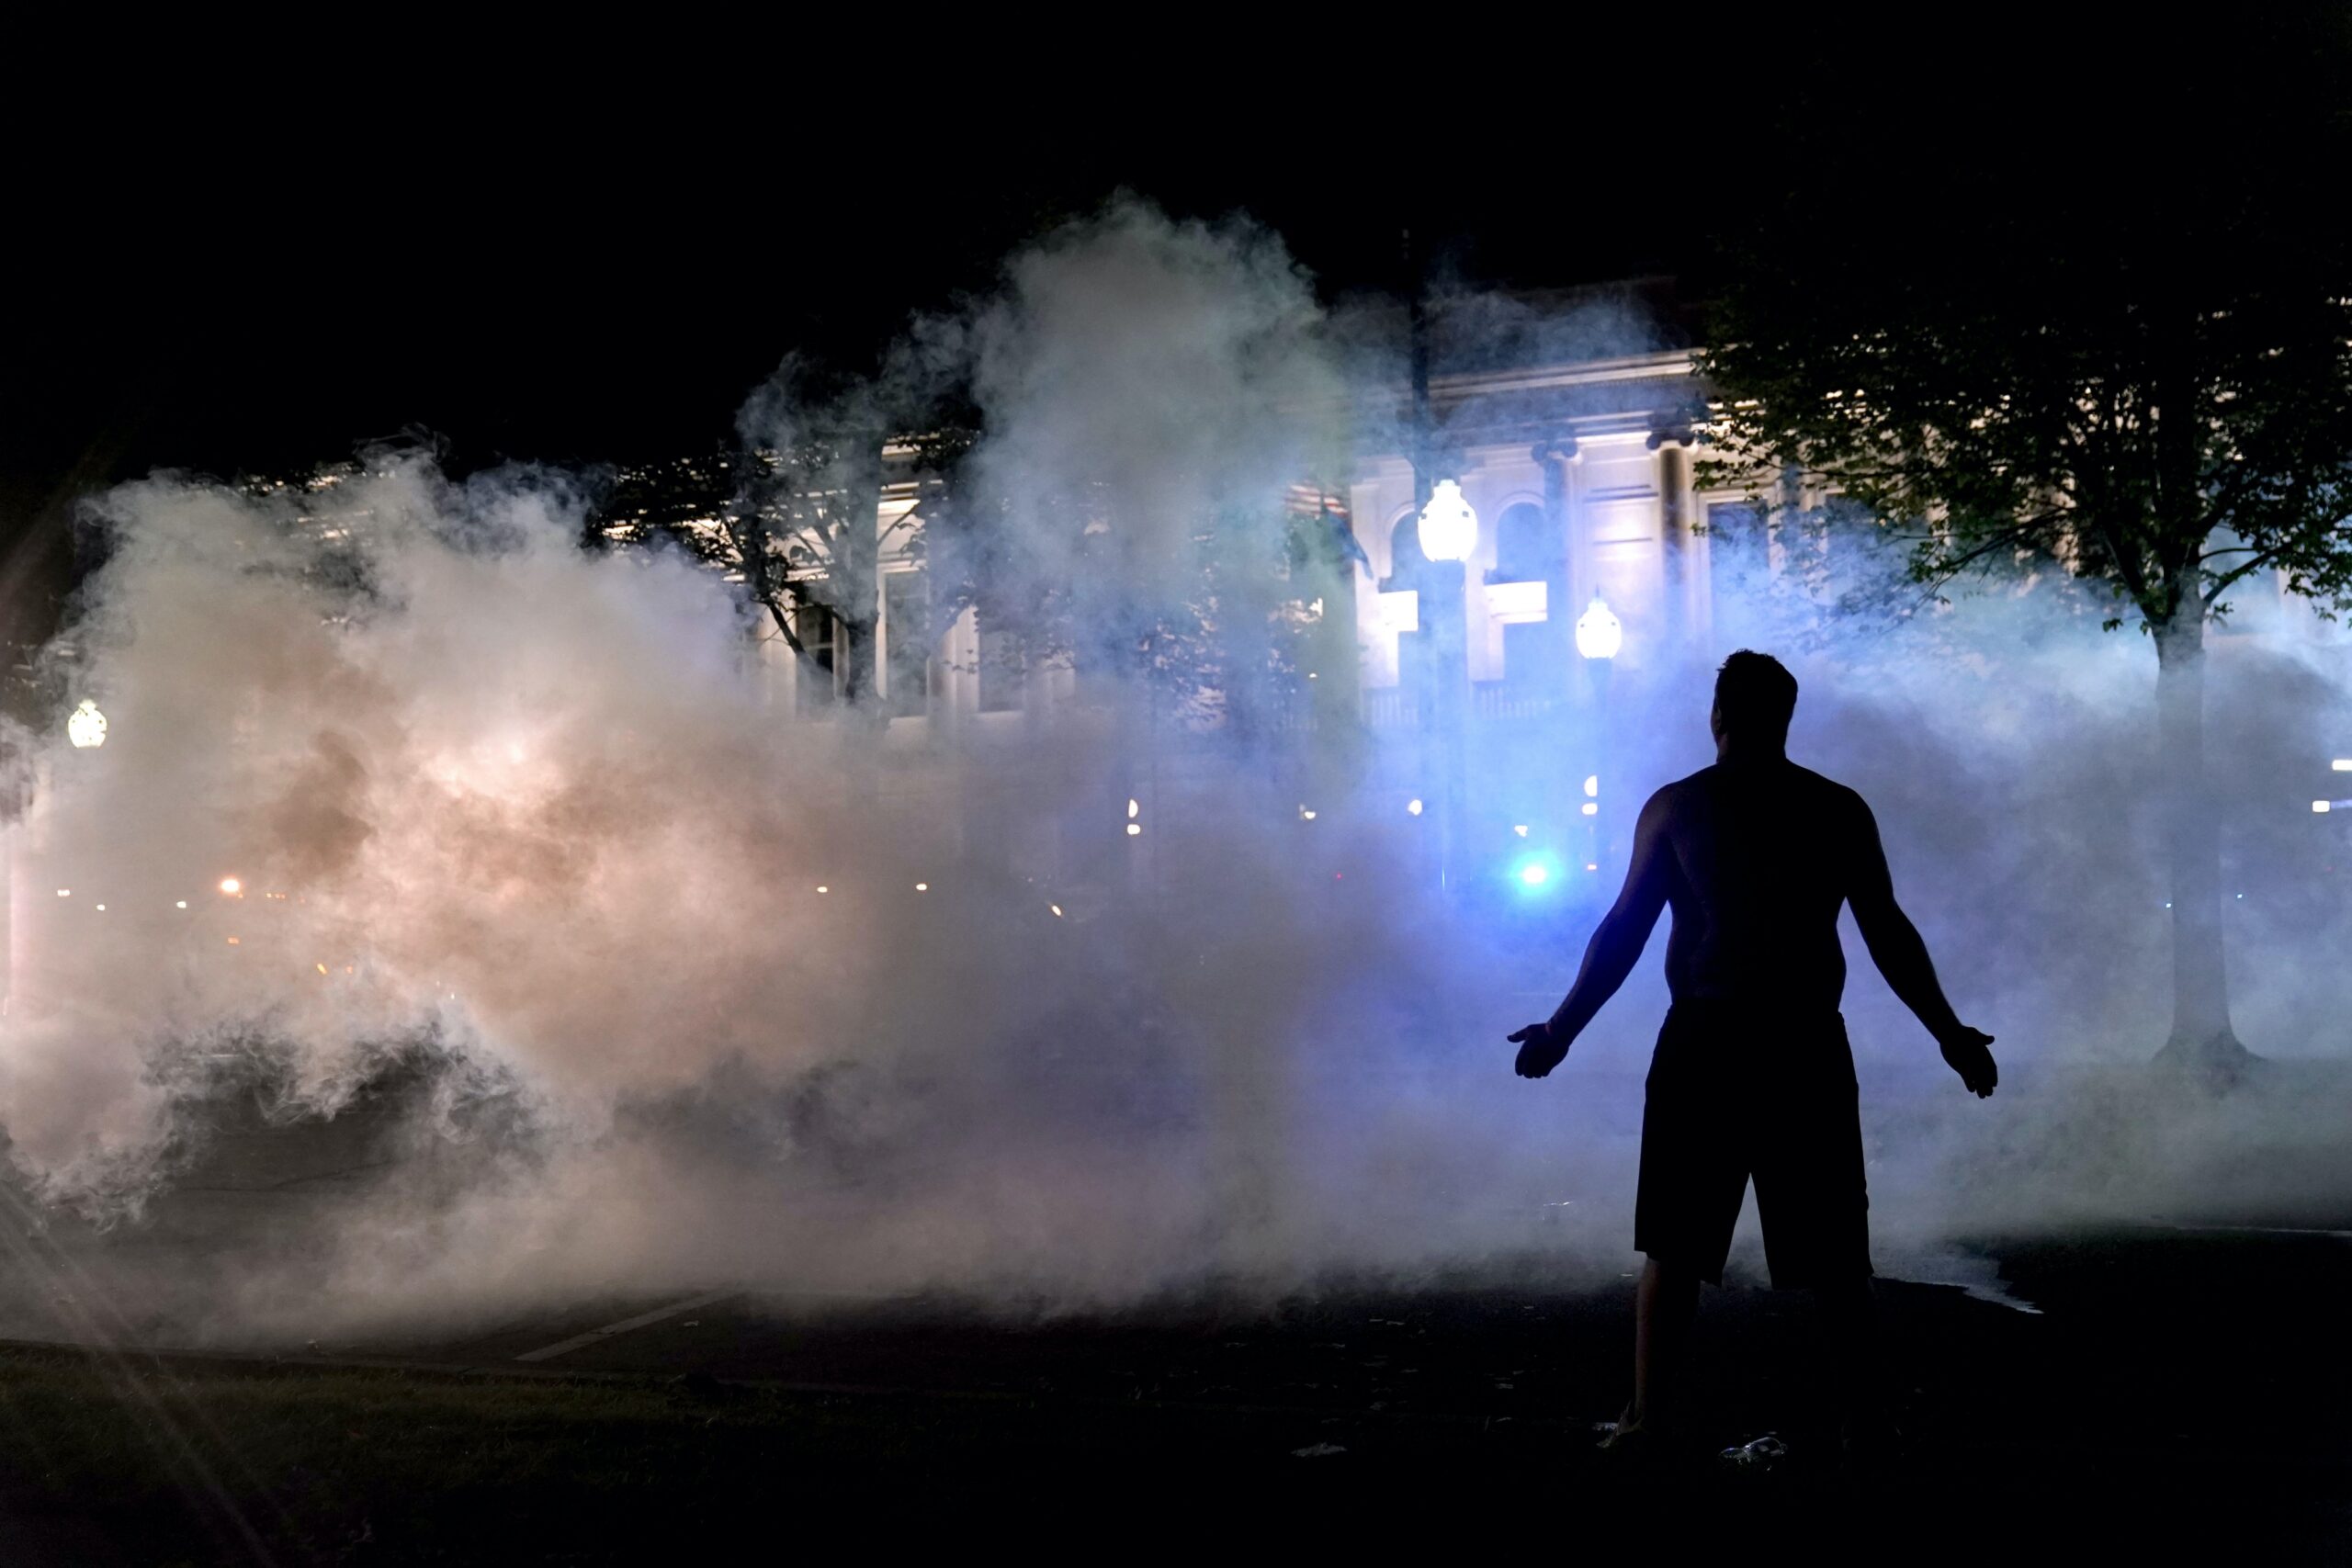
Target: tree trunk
(2202, 1042)
(857, 564)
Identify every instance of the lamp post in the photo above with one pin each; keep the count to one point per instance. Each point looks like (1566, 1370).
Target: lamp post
(1449, 534)
(1600, 633)
(86, 726)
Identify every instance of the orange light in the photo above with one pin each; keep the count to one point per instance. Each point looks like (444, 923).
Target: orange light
(231, 886)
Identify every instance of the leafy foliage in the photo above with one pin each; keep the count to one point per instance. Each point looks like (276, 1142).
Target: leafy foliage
(2156, 403)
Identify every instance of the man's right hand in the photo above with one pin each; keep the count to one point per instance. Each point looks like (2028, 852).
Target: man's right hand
(1968, 1055)
(1541, 1048)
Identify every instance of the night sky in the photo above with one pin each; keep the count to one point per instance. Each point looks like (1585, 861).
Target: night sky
(586, 313)
(584, 267)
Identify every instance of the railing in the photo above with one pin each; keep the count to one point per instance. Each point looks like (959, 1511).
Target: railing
(1498, 699)
(1395, 707)
(1388, 707)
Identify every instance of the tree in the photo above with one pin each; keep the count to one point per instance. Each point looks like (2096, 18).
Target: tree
(2151, 389)
(791, 515)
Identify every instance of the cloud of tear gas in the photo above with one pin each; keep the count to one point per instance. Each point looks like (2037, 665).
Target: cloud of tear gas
(1160, 377)
(417, 818)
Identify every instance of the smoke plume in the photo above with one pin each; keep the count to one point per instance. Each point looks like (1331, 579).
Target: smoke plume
(405, 788)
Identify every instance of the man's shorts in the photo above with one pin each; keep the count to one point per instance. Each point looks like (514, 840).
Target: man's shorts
(1736, 1093)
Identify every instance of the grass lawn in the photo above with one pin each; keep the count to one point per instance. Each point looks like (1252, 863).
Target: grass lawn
(2180, 1390)
(137, 1460)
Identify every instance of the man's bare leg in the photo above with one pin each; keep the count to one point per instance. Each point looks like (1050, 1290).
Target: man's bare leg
(1664, 1305)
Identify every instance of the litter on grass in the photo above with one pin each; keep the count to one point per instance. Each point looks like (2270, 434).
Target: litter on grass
(1765, 1451)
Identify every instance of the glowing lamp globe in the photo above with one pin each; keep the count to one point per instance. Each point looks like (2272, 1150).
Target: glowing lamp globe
(87, 726)
(1598, 633)
(1448, 528)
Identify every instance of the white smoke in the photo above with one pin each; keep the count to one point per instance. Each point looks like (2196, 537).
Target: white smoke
(526, 814)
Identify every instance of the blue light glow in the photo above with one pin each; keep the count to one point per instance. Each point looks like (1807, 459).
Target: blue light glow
(1535, 872)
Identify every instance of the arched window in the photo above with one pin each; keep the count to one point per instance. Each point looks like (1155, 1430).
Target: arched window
(1526, 550)
(1405, 557)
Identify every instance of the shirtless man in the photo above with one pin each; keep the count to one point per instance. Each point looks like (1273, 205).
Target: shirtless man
(1753, 1076)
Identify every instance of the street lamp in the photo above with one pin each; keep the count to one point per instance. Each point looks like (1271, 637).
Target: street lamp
(1449, 535)
(1449, 527)
(1600, 633)
(86, 727)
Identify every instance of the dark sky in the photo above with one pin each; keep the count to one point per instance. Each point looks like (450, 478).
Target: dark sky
(615, 299)
(594, 252)
(577, 313)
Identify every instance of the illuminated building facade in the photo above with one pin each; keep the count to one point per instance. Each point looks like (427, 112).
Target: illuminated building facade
(1580, 476)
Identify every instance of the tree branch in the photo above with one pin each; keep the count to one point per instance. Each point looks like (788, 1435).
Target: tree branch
(2245, 568)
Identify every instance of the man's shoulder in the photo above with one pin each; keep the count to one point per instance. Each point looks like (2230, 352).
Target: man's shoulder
(1829, 789)
(1677, 794)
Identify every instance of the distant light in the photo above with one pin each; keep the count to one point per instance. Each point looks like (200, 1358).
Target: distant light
(1135, 809)
(232, 941)
(823, 889)
(65, 893)
(320, 967)
(102, 909)
(1590, 867)
(1449, 529)
(1310, 674)
(1305, 812)
(180, 904)
(1592, 808)
(1413, 807)
(1591, 784)
(2342, 764)
(1057, 908)
(922, 886)
(86, 726)
(231, 886)
(1598, 633)
(2319, 805)
(1535, 871)
(1520, 827)
(1133, 829)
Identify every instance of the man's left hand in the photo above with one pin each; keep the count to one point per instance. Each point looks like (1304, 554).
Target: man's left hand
(1541, 1048)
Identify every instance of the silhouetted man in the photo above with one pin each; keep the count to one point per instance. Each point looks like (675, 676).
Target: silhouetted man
(1753, 1076)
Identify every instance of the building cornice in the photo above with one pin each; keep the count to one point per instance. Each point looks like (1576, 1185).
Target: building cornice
(1667, 365)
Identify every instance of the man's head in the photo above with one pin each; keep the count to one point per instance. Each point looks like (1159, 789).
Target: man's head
(1755, 695)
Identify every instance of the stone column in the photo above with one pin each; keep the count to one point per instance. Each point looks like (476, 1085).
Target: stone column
(1558, 457)
(1673, 441)
(1569, 584)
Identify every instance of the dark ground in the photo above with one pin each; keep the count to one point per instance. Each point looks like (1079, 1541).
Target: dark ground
(2179, 1388)
(2176, 1388)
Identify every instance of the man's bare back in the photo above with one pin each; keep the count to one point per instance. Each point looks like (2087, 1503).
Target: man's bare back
(1756, 862)
(1756, 856)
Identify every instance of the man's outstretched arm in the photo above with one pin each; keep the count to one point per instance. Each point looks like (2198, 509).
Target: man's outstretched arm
(1615, 946)
(1901, 956)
